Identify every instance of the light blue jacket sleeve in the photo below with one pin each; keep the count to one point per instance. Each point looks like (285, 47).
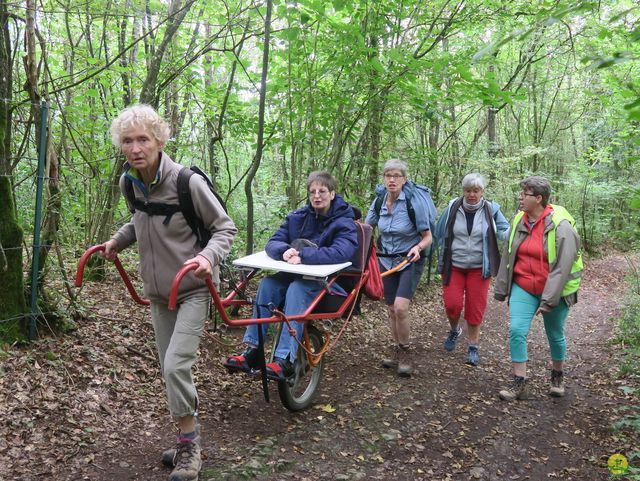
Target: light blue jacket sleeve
(502, 224)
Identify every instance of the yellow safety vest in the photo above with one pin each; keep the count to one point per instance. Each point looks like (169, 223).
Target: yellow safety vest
(559, 214)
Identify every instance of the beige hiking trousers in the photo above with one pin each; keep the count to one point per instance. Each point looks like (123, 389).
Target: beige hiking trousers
(177, 339)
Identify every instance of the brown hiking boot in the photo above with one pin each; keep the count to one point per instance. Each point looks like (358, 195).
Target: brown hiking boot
(405, 363)
(169, 455)
(557, 384)
(187, 461)
(391, 362)
(517, 390)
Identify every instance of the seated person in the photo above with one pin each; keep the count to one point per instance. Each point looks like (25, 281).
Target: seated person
(322, 232)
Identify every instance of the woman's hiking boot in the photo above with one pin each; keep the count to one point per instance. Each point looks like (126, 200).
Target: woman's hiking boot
(391, 362)
(405, 361)
(557, 384)
(187, 460)
(517, 390)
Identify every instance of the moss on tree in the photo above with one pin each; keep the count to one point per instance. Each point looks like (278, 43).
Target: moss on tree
(13, 306)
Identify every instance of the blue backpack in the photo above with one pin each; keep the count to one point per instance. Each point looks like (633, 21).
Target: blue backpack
(410, 189)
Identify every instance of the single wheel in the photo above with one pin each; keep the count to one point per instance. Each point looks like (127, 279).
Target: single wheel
(298, 392)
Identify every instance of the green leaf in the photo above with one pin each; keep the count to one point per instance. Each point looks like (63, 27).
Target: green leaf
(291, 33)
(338, 5)
(493, 47)
(377, 65)
(632, 105)
(634, 203)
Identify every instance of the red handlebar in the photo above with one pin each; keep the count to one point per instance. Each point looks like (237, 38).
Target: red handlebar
(173, 296)
(83, 261)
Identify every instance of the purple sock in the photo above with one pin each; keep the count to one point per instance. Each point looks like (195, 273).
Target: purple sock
(187, 437)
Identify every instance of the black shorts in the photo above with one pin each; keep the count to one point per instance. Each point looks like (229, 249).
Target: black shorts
(403, 283)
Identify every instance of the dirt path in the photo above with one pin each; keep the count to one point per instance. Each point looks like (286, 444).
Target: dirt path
(90, 406)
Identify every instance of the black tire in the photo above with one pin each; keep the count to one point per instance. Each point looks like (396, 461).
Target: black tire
(299, 393)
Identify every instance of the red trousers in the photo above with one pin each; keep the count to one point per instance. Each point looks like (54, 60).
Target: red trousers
(466, 289)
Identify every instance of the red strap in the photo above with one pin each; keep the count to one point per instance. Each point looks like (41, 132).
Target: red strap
(275, 367)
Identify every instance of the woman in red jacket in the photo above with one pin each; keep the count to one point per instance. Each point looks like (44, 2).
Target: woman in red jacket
(540, 274)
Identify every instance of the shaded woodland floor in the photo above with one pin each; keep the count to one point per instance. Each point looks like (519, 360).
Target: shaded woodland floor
(91, 406)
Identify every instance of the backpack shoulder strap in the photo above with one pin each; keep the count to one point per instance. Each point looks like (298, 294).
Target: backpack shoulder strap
(409, 189)
(129, 195)
(185, 201)
(184, 195)
(184, 198)
(378, 205)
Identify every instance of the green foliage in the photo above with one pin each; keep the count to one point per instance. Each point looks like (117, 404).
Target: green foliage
(350, 85)
(628, 337)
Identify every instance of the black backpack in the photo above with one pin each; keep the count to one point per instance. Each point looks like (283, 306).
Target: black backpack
(185, 203)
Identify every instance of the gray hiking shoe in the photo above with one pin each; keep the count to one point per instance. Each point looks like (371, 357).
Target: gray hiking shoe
(187, 461)
(405, 361)
(391, 362)
(517, 390)
(473, 357)
(452, 338)
(557, 384)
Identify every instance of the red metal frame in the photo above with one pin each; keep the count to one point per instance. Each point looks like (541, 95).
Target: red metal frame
(83, 261)
(232, 299)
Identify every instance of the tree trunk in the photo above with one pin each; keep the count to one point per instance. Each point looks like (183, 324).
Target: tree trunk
(177, 12)
(12, 302)
(493, 148)
(260, 137)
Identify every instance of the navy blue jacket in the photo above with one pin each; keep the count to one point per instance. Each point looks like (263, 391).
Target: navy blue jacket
(334, 233)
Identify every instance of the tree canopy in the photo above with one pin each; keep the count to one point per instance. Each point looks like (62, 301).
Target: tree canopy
(507, 89)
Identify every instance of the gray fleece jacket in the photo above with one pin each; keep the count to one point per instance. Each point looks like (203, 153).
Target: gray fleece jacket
(163, 248)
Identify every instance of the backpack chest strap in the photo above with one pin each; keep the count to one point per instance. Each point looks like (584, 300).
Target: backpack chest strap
(156, 208)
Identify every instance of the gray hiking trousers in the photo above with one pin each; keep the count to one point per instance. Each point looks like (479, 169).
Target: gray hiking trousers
(177, 339)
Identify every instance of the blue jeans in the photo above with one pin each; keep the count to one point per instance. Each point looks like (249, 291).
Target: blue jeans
(295, 294)
(522, 309)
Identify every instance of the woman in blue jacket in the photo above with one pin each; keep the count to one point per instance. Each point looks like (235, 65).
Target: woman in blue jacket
(469, 228)
(322, 232)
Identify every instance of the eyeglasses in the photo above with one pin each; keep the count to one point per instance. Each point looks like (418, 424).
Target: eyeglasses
(393, 176)
(321, 192)
(527, 194)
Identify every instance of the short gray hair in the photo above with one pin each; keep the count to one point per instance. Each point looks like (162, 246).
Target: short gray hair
(322, 178)
(395, 164)
(538, 186)
(140, 115)
(473, 180)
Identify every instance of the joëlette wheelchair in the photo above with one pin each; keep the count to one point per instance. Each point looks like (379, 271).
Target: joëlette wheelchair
(297, 392)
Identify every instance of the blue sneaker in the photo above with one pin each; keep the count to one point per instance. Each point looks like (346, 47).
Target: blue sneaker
(473, 358)
(452, 338)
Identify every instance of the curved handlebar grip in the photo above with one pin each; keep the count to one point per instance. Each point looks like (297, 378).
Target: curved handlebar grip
(123, 274)
(173, 294)
(83, 261)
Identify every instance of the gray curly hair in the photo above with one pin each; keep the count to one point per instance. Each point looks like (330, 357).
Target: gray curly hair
(139, 115)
